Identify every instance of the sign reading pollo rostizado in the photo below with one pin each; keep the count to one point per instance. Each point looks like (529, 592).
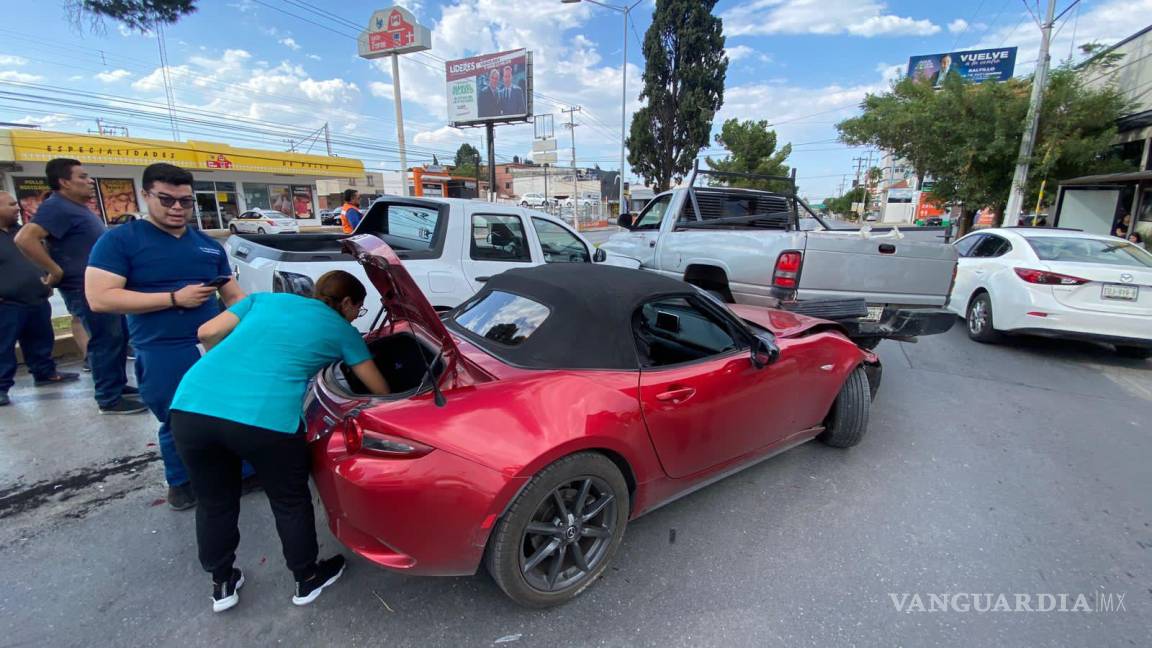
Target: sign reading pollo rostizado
(393, 31)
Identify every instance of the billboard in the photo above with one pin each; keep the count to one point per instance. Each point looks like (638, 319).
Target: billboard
(974, 65)
(393, 31)
(30, 192)
(490, 88)
(118, 196)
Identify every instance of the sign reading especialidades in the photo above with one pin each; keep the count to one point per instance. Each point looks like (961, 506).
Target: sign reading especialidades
(974, 65)
(489, 88)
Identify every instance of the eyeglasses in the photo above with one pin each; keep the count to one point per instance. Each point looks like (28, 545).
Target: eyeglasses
(186, 202)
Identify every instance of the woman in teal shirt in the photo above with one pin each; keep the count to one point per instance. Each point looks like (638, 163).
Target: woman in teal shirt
(242, 401)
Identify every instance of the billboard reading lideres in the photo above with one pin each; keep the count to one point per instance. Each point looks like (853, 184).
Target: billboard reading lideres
(492, 87)
(974, 65)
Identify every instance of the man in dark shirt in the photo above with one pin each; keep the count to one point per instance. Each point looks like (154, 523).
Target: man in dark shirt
(25, 315)
(165, 276)
(70, 230)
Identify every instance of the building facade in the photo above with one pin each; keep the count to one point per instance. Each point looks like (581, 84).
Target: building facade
(228, 180)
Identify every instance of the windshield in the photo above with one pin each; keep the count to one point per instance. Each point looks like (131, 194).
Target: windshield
(503, 317)
(1085, 250)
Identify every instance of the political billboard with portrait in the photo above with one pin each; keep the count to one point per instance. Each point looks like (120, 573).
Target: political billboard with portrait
(973, 65)
(490, 88)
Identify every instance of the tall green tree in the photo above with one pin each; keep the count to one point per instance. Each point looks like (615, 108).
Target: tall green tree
(842, 205)
(967, 135)
(141, 15)
(467, 157)
(751, 148)
(683, 88)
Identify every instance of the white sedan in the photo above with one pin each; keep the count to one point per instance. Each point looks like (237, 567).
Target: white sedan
(1057, 283)
(263, 221)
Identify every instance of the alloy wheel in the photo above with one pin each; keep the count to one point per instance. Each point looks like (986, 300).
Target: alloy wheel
(569, 534)
(978, 317)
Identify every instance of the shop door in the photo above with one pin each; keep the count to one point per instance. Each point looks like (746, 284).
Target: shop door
(207, 210)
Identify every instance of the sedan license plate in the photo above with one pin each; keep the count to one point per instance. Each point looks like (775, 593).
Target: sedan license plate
(1120, 292)
(874, 314)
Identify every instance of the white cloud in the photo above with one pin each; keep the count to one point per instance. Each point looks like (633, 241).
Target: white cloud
(48, 121)
(739, 52)
(825, 17)
(290, 43)
(7, 59)
(20, 77)
(315, 57)
(958, 25)
(113, 76)
(1107, 23)
(444, 137)
(380, 89)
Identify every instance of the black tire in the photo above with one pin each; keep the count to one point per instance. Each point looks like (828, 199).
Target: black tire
(980, 321)
(524, 203)
(260, 230)
(847, 421)
(512, 545)
(232, 229)
(1137, 353)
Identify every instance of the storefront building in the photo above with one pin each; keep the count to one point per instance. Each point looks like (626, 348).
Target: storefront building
(228, 180)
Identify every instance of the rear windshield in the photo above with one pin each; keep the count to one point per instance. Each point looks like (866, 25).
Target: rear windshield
(1084, 250)
(503, 318)
(408, 227)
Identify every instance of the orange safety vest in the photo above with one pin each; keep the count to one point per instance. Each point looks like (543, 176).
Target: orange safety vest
(346, 224)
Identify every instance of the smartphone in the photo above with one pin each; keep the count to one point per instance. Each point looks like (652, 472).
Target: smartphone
(219, 282)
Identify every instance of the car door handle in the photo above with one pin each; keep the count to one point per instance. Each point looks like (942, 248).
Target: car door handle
(676, 395)
(482, 279)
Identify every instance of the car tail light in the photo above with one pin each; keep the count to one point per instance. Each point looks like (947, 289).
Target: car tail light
(1046, 278)
(787, 273)
(359, 440)
(270, 222)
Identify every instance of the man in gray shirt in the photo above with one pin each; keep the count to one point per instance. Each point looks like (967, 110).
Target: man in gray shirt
(25, 315)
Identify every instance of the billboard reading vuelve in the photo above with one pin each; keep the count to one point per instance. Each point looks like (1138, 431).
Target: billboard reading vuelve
(974, 65)
(490, 88)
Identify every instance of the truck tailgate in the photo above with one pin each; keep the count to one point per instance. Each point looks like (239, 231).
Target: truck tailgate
(879, 270)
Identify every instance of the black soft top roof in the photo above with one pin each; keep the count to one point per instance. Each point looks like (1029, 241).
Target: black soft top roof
(590, 323)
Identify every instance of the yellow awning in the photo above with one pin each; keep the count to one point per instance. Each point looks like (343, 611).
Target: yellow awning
(40, 146)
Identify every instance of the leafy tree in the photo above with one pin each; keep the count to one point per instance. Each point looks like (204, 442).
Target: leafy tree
(842, 205)
(684, 87)
(466, 159)
(141, 15)
(751, 149)
(967, 135)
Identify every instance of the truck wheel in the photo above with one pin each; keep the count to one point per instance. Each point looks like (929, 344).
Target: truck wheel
(561, 532)
(980, 322)
(848, 419)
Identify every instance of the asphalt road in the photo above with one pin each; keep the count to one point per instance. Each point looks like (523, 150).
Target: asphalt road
(990, 470)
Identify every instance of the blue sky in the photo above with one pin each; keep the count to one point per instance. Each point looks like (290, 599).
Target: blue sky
(258, 72)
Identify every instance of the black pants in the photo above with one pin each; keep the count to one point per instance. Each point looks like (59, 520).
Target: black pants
(212, 449)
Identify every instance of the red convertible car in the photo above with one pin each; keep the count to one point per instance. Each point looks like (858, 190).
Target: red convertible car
(530, 424)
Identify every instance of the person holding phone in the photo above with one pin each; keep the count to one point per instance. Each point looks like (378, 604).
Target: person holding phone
(166, 277)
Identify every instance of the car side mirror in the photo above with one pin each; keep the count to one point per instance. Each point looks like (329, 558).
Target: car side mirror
(600, 256)
(625, 220)
(765, 351)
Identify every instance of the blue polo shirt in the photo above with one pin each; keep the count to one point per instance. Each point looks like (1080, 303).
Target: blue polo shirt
(72, 231)
(259, 373)
(153, 261)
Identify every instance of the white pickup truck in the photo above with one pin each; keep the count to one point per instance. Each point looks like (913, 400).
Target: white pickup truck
(449, 246)
(747, 246)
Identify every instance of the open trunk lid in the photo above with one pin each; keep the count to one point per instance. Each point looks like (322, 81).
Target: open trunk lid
(880, 270)
(398, 291)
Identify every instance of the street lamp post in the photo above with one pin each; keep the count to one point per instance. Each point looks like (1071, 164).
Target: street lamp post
(625, 10)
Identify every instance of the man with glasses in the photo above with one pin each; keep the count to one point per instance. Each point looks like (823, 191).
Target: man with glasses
(59, 242)
(165, 276)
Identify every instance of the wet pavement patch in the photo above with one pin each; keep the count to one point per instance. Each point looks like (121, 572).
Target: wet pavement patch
(26, 497)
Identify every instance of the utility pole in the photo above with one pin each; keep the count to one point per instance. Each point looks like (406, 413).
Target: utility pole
(328, 138)
(1039, 83)
(571, 126)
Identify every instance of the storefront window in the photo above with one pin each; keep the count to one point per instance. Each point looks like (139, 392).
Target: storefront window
(301, 201)
(256, 196)
(216, 204)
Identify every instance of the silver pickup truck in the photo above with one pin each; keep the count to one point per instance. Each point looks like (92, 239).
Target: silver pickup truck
(747, 246)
